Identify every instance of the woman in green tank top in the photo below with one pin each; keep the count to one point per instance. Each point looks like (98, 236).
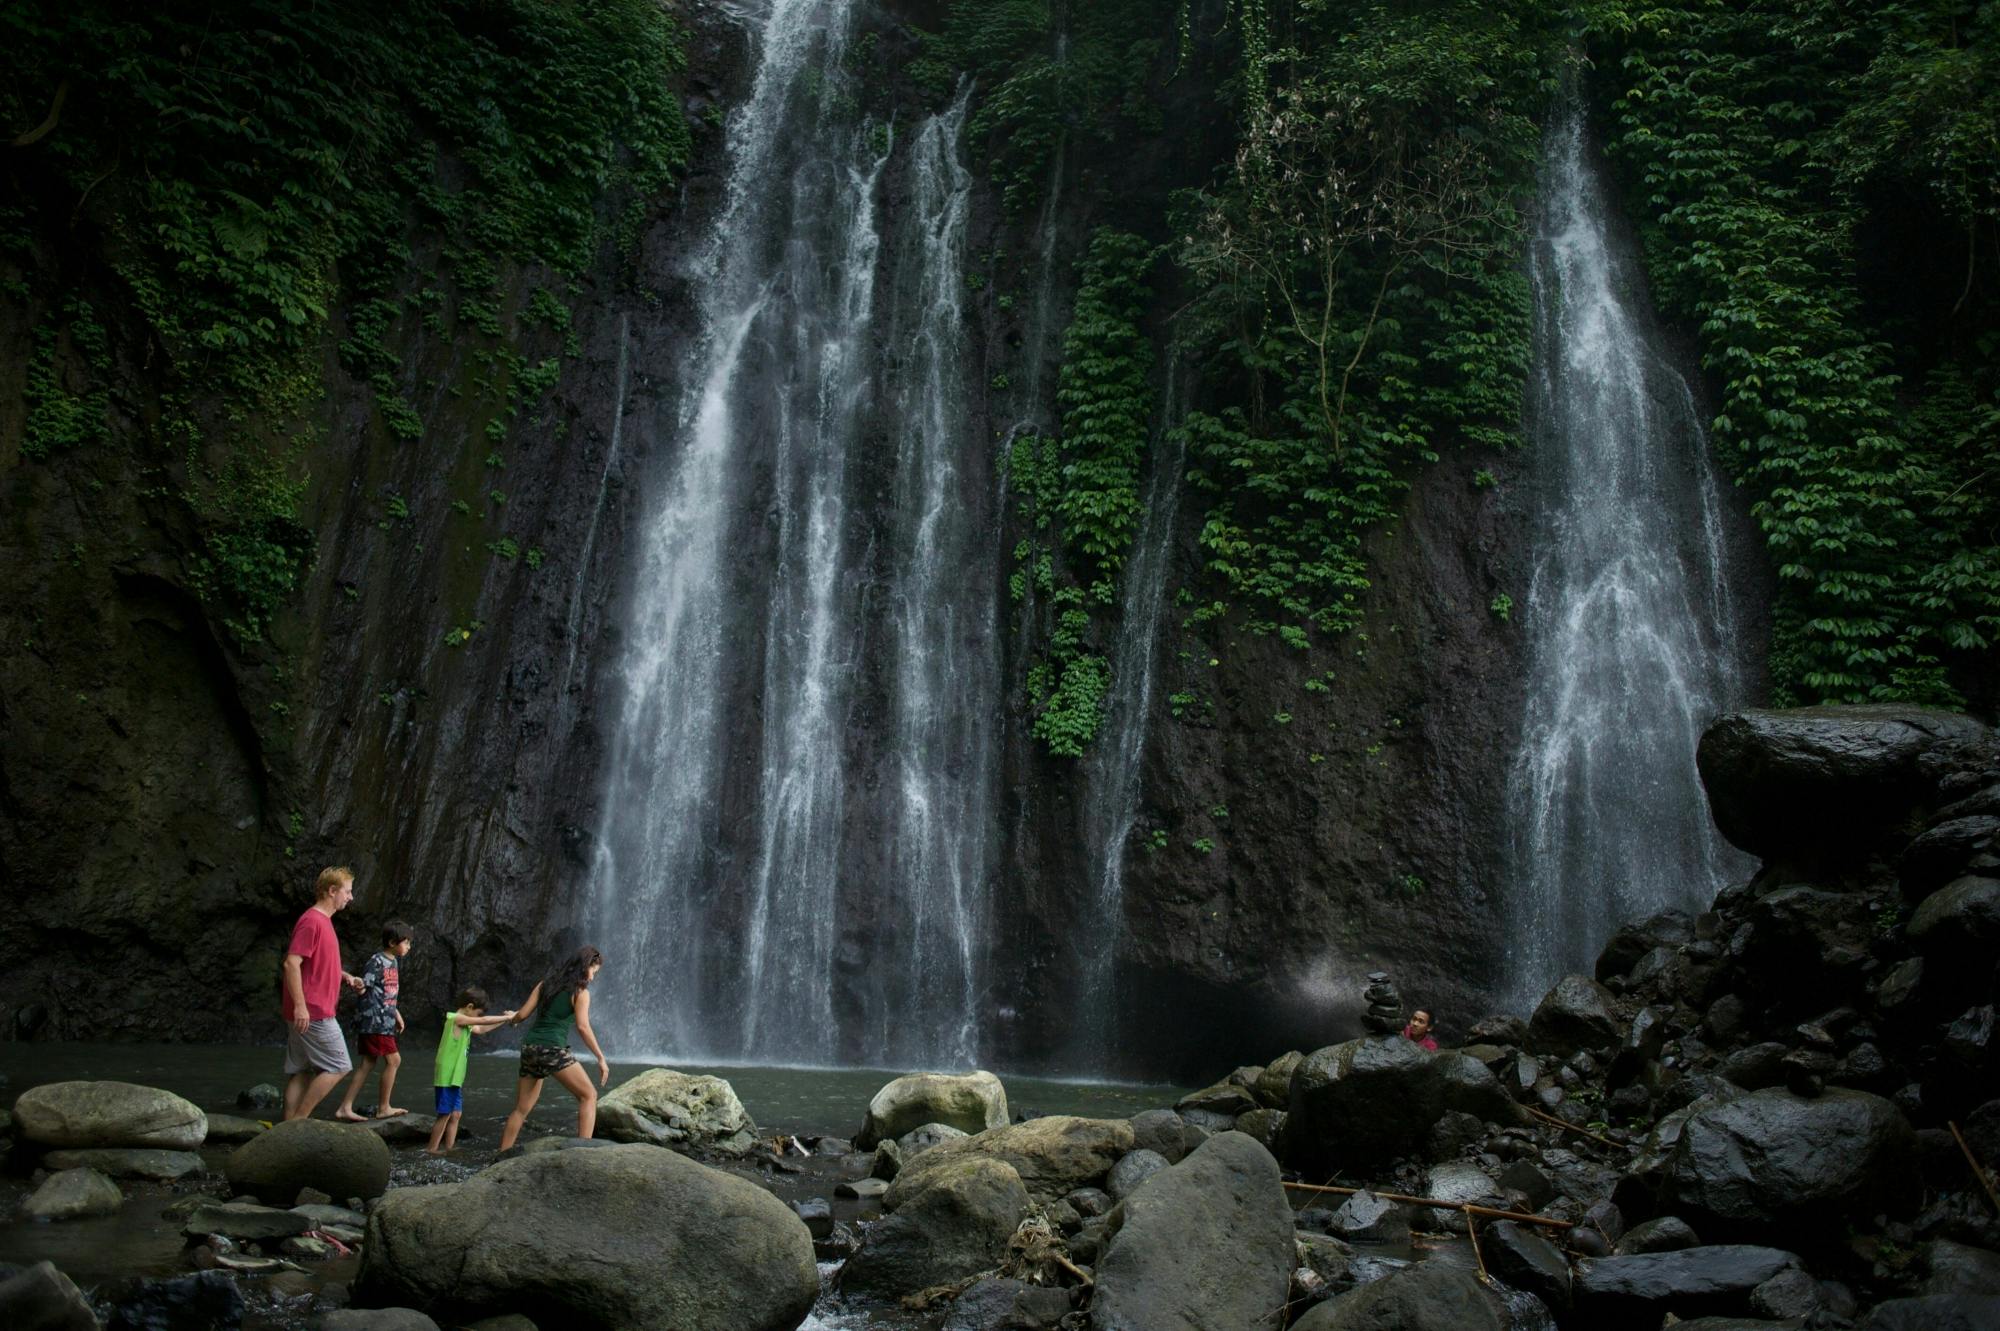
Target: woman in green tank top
(559, 1000)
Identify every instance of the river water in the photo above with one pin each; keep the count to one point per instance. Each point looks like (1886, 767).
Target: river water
(139, 1242)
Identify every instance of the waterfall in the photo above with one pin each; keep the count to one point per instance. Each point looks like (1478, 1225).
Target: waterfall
(1111, 770)
(573, 622)
(1630, 633)
(738, 803)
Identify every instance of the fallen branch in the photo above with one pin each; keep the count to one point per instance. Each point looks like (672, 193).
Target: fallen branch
(1978, 1170)
(1472, 1229)
(1468, 1208)
(1553, 1121)
(49, 121)
(1071, 1267)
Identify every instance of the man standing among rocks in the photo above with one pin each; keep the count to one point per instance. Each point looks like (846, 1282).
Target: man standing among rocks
(315, 1052)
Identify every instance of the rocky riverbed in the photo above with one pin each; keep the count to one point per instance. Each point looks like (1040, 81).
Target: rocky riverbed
(1777, 1112)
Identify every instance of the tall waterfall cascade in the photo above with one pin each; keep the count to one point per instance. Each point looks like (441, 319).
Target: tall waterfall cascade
(778, 877)
(1632, 643)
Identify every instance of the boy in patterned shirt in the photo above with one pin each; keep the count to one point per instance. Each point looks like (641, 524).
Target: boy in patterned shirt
(377, 1021)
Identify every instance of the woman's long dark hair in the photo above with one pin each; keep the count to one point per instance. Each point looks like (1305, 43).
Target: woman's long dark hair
(572, 973)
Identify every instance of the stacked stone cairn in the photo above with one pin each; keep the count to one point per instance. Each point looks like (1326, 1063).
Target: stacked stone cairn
(1385, 1006)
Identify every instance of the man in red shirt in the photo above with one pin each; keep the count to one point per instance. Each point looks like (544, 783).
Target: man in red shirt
(1419, 1030)
(315, 1052)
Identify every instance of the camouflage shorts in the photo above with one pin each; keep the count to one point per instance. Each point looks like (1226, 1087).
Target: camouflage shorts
(544, 1060)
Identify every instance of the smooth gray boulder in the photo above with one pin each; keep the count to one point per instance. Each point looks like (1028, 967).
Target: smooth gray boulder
(1691, 1282)
(1962, 917)
(1160, 1130)
(956, 1226)
(1812, 783)
(971, 1102)
(376, 1319)
(41, 1298)
(240, 1220)
(107, 1113)
(1134, 1168)
(341, 1160)
(1005, 1305)
(624, 1236)
(1366, 1218)
(1771, 1161)
(1054, 1155)
(231, 1130)
(1357, 1105)
(1959, 1268)
(920, 1139)
(73, 1194)
(677, 1109)
(1457, 1181)
(1424, 1296)
(1204, 1244)
(1667, 1233)
(122, 1162)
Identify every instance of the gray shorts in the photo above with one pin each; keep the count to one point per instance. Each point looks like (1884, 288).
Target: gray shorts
(321, 1049)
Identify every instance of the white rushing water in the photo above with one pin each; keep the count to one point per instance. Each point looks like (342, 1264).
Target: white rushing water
(1632, 637)
(742, 794)
(1113, 766)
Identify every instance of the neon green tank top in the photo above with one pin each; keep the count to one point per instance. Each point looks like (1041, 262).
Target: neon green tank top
(452, 1047)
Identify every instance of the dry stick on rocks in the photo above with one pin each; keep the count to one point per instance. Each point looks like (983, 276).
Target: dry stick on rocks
(1553, 1121)
(1978, 1170)
(1468, 1208)
(1472, 1229)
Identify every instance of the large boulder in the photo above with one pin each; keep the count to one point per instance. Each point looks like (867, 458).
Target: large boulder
(1806, 947)
(1813, 784)
(1771, 1161)
(1936, 1312)
(108, 1113)
(1576, 1014)
(622, 1236)
(1691, 1282)
(678, 1109)
(116, 1162)
(1054, 1156)
(1521, 1257)
(1425, 1296)
(1961, 919)
(1357, 1104)
(956, 1226)
(73, 1194)
(971, 1102)
(41, 1298)
(341, 1160)
(1207, 1243)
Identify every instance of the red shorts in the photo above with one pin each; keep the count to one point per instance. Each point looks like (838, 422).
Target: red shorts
(377, 1046)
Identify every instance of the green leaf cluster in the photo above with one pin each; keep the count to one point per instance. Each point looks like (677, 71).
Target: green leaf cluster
(251, 173)
(1801, 160)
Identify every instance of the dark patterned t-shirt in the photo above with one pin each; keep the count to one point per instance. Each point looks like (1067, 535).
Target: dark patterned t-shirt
(376, 1008)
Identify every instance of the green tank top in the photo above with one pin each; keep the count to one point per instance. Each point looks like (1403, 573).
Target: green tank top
(552, 1020)
(452, 1047)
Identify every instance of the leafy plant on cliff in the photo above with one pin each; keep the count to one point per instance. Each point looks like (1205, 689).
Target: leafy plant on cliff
(1359, 284)
(247, 174)
(1080, 490)
(1821, 201)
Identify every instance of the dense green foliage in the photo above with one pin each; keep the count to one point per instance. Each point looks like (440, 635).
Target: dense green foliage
(1081, 490)
(248, 174)
(1043, 77)
(1360, 285)
(1822, 188)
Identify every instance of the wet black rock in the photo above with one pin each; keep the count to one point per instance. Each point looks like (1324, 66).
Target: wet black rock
(1961, 919)
(1945, 852)
(206, 1301)
(1770, 1161)
(1428, 1296)
(1364, 1217)
(1358, 1104)
(1936, 1312)
(996, 1304)
(1814, 784)
(1521, 1257)
(956, 1226)
(1958, 1268)
(1576, 1014)
(1690, 1282)
(1631, 942)
(1502, 1029)
(1804, 947)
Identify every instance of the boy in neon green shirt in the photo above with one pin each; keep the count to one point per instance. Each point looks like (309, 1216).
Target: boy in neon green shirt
(449, 1077)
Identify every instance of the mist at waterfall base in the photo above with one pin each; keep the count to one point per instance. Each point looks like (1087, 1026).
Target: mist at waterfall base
(1634, 645)
(794, 856)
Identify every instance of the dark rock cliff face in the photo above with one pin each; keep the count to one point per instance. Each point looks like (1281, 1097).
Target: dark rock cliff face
(432, 712)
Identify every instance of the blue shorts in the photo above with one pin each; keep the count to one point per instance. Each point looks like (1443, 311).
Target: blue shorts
(450, 1100)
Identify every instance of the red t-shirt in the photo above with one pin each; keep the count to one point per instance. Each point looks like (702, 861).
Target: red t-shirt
(313, 940)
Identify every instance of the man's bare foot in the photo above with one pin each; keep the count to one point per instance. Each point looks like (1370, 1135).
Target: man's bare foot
(389, 1111)
(348, 1116)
